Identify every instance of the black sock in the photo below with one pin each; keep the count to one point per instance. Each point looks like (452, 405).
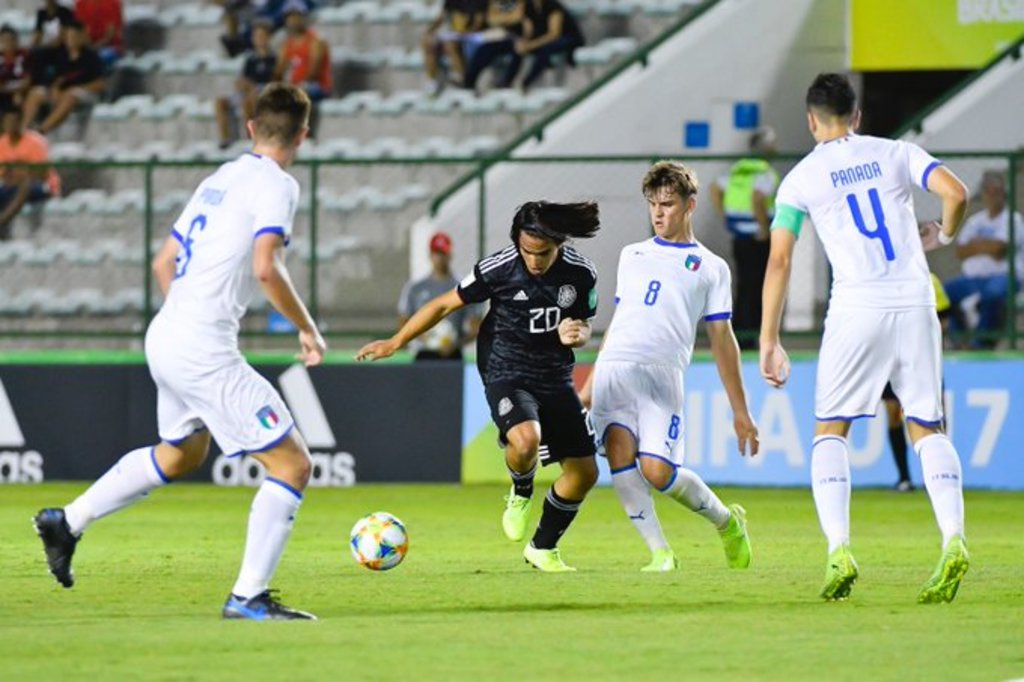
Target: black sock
(523, 483)
(558, 514)
(899, 452)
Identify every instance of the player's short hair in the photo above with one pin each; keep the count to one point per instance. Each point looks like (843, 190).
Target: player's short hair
(556, 222)
(282, 112)
(832, 94)
(671, 175)
(9, 30)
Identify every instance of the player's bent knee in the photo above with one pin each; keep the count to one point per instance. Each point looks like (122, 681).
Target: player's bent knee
(659, 474)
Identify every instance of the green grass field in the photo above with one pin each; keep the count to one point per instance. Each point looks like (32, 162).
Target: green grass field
(151, 581)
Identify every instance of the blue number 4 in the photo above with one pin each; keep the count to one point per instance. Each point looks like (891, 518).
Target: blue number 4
(881, 233)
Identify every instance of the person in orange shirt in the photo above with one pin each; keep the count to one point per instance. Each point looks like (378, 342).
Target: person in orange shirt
(305, 59)
(19, 185)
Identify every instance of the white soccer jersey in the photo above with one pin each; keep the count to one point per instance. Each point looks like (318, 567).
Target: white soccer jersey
(664, 289)
(214, 281)
(857, 192)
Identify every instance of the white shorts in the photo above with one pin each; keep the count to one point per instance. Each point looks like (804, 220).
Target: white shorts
(646, 400)
(240, 408)
(862, 349)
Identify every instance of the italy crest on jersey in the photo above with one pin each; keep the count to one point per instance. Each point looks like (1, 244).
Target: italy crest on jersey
(692, 263)
(268, 418)
(566, 296)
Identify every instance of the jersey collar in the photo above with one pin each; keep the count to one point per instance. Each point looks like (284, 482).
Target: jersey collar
(675, 245)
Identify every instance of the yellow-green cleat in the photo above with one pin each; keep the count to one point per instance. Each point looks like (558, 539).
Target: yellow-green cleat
(547, 560)
(516, 516)
(945, 581)
(662, 561)
(840, 574)
(735, 540)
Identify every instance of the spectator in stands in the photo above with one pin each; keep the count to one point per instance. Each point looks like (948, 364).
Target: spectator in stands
(241, 15)
(78, 81)
(745, 198)
(305, 58)
(51, 20)
(505, 25)
(104, 24)
(551, 30)
(14, 74)
(444, 341)
(257, 71)
(983, 246)
(454, 24)
(19, 185)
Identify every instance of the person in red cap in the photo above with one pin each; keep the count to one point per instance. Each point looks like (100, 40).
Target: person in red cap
(445, 341)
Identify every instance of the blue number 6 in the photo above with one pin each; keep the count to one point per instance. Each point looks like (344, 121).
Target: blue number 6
(185, 254)
(882, 232)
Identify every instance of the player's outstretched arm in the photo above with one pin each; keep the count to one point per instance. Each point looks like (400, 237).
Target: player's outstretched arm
(163, 264)
(269, 267)
(953, 193)
(774, 361)
(727, 357)
(424, 318)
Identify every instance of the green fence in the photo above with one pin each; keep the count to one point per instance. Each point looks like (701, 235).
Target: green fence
(76, 272)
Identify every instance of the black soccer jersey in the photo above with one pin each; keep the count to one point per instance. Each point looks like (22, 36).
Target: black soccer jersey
(518, 341)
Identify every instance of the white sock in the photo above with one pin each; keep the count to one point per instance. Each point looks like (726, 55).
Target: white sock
(943, 480)
(270, 524)
(830, 481)
(635, 495)
(128, 481)
(687, 488)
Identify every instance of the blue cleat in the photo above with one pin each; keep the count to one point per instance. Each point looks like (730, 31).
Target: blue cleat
(264, 606)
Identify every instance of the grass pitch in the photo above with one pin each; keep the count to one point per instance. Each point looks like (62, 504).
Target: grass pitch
(151, 581)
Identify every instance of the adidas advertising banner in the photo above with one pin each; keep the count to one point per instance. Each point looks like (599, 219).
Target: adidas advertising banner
(362, 423)
(984, 399)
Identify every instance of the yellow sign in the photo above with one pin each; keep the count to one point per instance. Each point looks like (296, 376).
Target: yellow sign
(894, 35)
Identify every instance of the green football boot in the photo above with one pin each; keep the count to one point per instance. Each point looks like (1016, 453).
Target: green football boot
(735, 540)
(547, 560)
(945, 581)
(516, 516)
(662, 561)
(840, 574)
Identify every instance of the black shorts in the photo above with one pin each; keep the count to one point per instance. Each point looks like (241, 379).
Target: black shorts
(565, 430)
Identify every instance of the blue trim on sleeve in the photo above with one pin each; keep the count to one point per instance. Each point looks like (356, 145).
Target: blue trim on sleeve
(293, 491)
(675, 245)
(617, 299)
(928, 171)
(276, 229)
(714, 317)
(159, 471)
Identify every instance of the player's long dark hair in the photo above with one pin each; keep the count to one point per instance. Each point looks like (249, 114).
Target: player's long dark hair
(557, 222)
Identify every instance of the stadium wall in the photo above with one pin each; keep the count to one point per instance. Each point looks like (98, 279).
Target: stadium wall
(982, 397)
(362, 424)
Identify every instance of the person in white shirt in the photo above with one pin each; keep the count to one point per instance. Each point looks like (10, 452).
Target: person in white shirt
(666, 286)
(230, 237)
(881, 324)
(983, 248)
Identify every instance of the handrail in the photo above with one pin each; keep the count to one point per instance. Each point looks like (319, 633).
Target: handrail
(536, 130)
(916, 122)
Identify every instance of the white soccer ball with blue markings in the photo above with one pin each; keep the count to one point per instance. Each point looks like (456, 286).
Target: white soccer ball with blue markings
(379, 541)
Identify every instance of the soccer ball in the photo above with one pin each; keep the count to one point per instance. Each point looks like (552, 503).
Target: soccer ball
(379, 541)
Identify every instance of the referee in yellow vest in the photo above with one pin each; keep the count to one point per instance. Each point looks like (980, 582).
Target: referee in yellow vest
(745, 198)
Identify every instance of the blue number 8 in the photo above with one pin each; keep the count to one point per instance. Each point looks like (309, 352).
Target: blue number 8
(882, 232)
(652, 292)
(673, 427)
(185, 253)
